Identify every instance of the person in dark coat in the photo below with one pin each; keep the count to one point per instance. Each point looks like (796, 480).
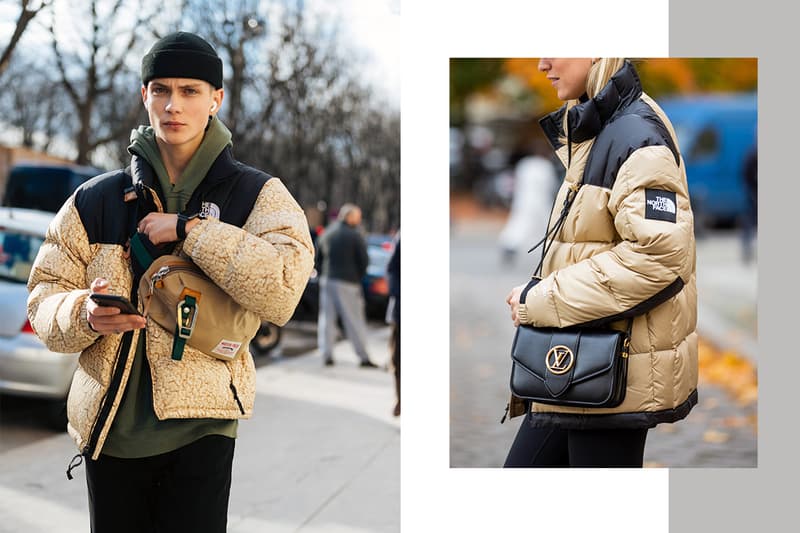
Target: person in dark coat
(342, 256)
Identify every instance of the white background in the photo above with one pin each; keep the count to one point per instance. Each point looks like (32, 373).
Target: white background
(434, 496)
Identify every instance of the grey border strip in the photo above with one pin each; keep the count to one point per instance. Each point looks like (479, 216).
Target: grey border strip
(733, 500)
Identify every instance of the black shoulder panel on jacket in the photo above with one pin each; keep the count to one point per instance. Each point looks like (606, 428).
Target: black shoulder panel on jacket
(246, 192)
(235, 195)
(102, 209)
(638, 126)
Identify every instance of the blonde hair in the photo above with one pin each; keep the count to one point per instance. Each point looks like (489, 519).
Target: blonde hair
(600, 73)
(345, 211)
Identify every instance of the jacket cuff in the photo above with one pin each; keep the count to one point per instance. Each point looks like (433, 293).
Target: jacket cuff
(83, 321)
(522, 314)
(191, 238)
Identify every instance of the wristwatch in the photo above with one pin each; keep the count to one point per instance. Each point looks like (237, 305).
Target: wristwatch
(180, 227)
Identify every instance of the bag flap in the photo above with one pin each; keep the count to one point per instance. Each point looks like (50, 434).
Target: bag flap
(592, 353)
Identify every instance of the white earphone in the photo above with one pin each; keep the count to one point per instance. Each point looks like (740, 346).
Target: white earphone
(213, 106)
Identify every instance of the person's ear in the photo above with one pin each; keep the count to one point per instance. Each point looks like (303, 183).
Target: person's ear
(217, 95)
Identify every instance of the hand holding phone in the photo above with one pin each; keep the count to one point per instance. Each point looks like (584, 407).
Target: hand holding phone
(112, 300)
(109, 314)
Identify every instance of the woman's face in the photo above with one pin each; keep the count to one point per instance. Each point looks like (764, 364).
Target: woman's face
(568, 75)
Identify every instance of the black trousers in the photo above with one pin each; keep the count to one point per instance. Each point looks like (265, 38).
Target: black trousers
(549, 447)
(395, 346)
(185, 490)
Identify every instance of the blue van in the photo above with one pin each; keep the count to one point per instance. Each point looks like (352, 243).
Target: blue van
(715, 132)
(44, 186)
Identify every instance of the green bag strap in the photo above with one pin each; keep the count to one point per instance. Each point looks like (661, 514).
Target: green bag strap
(184, 327)
(140, 252)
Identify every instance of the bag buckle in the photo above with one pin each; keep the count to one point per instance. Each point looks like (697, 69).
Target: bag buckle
(626, 345)
(187, 316)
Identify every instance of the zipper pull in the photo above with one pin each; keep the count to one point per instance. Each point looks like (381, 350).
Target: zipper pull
(157, 277)
(506, 413)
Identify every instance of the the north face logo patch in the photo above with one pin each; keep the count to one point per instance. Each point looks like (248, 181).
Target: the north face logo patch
(209, 210)
(660, 205)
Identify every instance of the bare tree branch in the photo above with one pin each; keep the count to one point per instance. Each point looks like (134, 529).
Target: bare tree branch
(25, 16)
(71, 90)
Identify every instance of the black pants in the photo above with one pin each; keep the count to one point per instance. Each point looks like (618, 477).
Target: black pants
(395, 346)
(185, 490)
(548, 447)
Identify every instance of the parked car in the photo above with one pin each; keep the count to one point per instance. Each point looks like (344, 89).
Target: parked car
(27, 367)
(44, 186)
(375, 282)
(715, 133)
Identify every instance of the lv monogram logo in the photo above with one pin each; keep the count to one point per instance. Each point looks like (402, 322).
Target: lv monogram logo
(559, 359)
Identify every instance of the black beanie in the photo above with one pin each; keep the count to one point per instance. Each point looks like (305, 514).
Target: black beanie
(182, 55)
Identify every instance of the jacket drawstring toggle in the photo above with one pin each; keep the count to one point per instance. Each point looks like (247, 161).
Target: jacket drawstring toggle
(73, 464)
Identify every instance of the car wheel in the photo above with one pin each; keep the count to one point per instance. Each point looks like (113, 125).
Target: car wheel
(267, 338)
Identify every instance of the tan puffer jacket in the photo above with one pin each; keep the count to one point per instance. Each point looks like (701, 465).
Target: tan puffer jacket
(264, 265)
(625, 249)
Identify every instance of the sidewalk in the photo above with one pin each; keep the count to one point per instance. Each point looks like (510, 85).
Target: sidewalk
(321, 454)
(727, 295)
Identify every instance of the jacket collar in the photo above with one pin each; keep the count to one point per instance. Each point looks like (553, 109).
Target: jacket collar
(223, 167)
(586, 119)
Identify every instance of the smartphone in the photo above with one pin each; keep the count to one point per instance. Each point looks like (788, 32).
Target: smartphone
(112, 300)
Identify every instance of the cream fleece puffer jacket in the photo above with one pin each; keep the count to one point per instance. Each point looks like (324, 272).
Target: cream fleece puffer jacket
(258, 250)
(626, 249)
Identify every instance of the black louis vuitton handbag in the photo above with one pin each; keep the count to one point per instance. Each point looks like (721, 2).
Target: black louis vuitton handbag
(581, 366)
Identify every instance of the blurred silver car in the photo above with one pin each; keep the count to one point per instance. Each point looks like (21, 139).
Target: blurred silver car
(27, 367)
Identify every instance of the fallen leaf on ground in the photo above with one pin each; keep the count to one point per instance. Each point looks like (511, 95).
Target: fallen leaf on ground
(735, 422)
(729, 370)
(715, 437)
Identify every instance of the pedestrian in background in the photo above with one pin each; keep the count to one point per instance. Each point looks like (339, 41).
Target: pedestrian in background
(626, 250)
(157, 432)
(750, 219)
(534, 189)
(393, 315)
(342, 256)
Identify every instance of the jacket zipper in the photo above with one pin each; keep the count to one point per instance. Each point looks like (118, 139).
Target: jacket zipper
(234, 391)
(236, 396)
(123, 353)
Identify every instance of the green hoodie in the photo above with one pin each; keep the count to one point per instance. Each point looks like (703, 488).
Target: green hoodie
(143, 144)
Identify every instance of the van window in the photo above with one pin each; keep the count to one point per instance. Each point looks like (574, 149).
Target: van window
(44, 188)
(706, 146)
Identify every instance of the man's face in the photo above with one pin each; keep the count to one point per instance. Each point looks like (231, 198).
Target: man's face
(179, 108)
